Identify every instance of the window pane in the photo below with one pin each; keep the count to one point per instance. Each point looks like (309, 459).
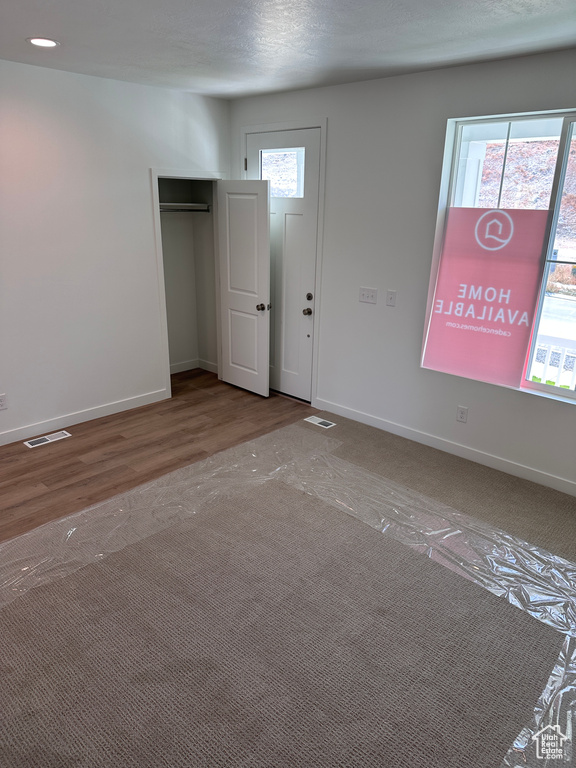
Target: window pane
(490, 272)
(507, 165)
(491, 174)
(565, 239)
(284, 168)
(500, 312)
(554, 354)
(480, 165)
(530, 163)
(554, 351)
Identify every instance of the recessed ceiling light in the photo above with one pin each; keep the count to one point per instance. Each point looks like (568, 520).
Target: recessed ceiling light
(43, 42)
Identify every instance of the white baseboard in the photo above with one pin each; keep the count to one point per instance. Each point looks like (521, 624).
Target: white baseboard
(208, 366)
(189, 365)
(185, 365)
(61, 422)
(480, 457)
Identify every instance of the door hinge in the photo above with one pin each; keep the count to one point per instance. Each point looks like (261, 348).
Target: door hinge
(245, 163)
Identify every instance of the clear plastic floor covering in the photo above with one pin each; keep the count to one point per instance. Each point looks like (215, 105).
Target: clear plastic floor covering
(528, 577)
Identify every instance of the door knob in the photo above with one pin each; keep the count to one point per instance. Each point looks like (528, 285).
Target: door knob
(307, 311)
(260, 307)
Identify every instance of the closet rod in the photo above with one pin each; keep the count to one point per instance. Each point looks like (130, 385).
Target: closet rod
(179, 207)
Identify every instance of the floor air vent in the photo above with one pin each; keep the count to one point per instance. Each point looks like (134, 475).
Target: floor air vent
(320, 422)
(47, 439)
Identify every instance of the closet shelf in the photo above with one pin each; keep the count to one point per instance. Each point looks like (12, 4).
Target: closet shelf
(179, 207)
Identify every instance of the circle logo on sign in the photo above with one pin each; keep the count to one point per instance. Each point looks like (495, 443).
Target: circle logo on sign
(494, 230)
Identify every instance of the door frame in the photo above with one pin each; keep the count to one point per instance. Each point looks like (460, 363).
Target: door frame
(295, 125)
(192, 175)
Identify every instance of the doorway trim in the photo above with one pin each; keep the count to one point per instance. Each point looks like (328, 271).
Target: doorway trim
(192, 175)
(295, 125)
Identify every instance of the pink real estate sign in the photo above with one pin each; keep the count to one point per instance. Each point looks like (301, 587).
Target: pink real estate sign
(486, 294)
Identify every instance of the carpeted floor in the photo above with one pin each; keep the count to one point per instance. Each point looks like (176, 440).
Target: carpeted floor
(529, 511)
(267, 631)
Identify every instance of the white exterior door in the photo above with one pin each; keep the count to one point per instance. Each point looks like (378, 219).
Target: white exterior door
(290, 160)
(244, 262)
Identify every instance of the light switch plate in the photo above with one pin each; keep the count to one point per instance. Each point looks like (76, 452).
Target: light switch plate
(368, 295)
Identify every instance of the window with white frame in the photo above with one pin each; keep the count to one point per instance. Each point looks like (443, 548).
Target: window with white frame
(284, 169)
(503, 287)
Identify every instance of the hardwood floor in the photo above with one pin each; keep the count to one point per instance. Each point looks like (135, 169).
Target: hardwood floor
(115, 453)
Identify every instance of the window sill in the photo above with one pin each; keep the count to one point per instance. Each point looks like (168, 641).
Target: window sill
(551, 392)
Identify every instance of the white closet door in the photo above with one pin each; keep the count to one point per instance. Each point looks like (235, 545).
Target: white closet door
(244, 260)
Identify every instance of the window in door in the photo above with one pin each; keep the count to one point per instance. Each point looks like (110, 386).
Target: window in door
(284, 169)
(504, 304)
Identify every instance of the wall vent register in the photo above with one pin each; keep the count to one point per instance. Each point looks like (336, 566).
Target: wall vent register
(320, 422)
(47, 439)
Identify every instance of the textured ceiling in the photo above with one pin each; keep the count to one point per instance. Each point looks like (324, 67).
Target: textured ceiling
(233, 48)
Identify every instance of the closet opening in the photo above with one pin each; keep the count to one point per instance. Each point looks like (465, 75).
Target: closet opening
(188, 253)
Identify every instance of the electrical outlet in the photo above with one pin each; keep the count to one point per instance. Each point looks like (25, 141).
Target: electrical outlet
(3, 402)
(390, 298)
(368, 295)
(462, 414)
